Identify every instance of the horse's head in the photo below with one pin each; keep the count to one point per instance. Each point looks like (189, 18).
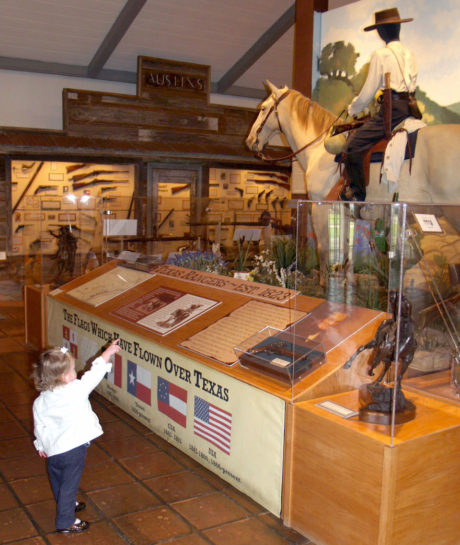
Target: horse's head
(267, 123)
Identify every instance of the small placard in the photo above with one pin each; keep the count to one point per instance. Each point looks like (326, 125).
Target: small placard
(115, 227)
(337, 409)
(428, 223)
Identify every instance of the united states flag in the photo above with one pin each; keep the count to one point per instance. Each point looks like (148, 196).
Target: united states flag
(213, 424)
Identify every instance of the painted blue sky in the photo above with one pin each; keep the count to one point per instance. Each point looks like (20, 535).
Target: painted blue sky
(433, 36)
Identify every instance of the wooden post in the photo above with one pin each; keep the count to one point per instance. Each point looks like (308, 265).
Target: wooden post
(303, 47)
(303, 43)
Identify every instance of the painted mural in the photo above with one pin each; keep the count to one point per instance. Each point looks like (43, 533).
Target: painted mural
(432, 36)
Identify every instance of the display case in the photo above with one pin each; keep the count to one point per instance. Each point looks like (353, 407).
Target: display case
(56, 217)
(378, 458)
(280, 354)
(318, 348)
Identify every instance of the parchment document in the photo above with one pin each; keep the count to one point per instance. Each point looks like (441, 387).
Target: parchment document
(218, 340)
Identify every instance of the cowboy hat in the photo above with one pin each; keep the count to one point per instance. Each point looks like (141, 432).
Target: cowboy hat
(386, 17)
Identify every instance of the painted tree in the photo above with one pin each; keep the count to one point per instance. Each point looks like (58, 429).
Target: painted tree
(338, 60)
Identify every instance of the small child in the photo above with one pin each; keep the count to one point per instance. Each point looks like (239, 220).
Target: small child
(64, 424)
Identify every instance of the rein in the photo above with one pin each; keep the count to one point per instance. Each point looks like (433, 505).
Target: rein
(274, 108)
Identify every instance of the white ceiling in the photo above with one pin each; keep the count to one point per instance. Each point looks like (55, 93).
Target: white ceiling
(65, 36)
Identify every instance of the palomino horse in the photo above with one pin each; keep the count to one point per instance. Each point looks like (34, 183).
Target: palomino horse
(434, 176)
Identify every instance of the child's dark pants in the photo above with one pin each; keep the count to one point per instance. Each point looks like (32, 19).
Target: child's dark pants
(65, 472)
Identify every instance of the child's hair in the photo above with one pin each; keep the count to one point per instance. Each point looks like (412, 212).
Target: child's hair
(53, 363)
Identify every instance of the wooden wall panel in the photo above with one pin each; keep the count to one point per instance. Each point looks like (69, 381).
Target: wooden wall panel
(127, 117)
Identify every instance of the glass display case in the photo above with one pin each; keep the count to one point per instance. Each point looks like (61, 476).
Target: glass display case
(344, 267)
(400, 260)
(280, 354)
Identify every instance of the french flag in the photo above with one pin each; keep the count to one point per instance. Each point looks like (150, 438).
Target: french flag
(139, 382)
(115, 375)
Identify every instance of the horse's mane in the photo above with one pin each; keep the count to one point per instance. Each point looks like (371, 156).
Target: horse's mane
(309, 113)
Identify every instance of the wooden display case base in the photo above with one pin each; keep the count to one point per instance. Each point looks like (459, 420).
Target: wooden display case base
(35, 316)
(350, 482)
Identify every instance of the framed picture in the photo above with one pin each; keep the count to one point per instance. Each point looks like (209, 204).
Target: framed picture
(50, 205)
(236, 204)
(217, 205)
(235, 177)
(214, 218)
(251, 190)
(56, 176)
(32, 202)
(213, 192)
(67, 217)
(186, 204)
(89, 203)
(244, 218)
(34, 216)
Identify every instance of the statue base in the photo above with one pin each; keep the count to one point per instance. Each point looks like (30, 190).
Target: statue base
(376, 402)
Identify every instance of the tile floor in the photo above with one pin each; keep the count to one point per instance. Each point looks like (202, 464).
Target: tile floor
(139, 490)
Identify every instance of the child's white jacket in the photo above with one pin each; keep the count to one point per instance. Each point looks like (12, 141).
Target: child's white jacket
(63, 417)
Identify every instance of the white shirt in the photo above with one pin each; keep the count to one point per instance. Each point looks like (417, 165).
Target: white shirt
(396, 59)
(63, 417)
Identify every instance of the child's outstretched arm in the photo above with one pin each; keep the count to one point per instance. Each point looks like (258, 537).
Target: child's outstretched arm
(113, 348)
(99, 367)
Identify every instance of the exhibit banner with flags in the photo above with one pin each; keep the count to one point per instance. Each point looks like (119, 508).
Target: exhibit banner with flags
(232, 428)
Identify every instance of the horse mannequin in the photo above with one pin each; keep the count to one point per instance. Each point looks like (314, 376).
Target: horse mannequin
(305, 124)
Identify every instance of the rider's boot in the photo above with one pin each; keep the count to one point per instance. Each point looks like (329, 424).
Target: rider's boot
(356, 190)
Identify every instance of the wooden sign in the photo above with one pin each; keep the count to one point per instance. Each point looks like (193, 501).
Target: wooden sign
(156, 77)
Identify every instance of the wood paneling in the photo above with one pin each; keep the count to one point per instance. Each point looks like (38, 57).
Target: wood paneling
(350, 485)
(130, 118)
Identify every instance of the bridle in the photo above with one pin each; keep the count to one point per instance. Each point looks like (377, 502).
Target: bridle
(274, 108)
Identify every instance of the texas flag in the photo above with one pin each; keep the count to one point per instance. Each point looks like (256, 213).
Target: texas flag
(172, 401)
(139, 382)
(115, 376)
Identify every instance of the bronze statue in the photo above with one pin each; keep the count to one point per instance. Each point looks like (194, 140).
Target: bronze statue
(385, 344)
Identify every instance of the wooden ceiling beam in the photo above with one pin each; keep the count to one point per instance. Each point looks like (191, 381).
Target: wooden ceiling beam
(62, 69)
(113, 37)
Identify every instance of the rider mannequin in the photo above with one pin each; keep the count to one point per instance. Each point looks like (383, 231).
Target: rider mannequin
(400, 63)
